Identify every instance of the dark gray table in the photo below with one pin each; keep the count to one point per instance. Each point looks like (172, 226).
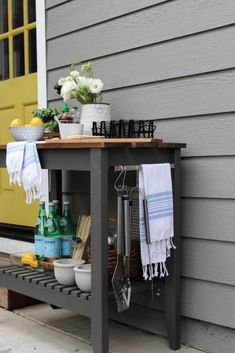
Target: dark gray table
(99, 159)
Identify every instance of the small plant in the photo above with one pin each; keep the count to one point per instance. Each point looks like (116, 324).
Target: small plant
(47, 116)
(80, 85)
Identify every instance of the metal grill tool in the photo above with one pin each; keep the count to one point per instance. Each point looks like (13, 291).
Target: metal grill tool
(118, 276)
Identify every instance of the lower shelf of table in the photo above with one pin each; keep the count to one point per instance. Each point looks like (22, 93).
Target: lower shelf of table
(44, 287)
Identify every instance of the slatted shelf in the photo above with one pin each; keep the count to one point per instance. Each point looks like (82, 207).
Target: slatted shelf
(44, 287)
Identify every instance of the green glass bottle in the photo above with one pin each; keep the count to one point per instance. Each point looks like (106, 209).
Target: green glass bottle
(39, 230)
(67, 231)
(52, 238)
(57, 212)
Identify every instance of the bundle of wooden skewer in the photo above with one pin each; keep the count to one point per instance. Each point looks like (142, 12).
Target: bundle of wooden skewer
(82, 234)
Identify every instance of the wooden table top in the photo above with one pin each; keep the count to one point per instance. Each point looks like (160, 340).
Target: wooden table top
(106, 143)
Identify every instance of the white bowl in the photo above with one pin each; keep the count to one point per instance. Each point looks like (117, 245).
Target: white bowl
(27, 133)
(83, 277)
(70, 130)
(63, 270)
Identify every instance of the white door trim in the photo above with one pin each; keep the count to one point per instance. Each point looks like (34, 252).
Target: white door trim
(41, 53)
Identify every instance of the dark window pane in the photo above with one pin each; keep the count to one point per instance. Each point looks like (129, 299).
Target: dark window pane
(18, 55)
(3, 16)
(17, 13)
(31, 11)
(4, 60)
(32, 51)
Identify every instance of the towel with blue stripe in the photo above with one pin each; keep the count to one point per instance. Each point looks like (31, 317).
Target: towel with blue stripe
(155, 186)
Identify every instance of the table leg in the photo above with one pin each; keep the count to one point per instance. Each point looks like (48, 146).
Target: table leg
(99, 216)
(172, 282)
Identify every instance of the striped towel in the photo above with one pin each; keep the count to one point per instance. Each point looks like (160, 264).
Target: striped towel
(24, 168)
(155, 185)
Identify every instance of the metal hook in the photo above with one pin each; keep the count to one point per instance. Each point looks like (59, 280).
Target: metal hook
(121, 186)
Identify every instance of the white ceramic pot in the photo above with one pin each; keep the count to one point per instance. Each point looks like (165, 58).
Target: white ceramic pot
(67, 130)
(63, 270)
(94, 112)
(83, 277)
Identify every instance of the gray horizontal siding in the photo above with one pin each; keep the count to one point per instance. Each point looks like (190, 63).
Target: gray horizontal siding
(215, 133)
(52, 3)
(209, 261)
(211, 219)
(210, 302)
(172, 19)
(171, 61)
(198, 95)
(209, 177)
(201, 300)
(163, 61)
(79, 14)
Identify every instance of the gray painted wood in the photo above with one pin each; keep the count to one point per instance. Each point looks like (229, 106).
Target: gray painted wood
(191, 96)
(210, 302)
(80, 14)
(52, 3)
(209, 260)
(211, 219)
(215, 133)
(208, 337)
(172, 19)
(209, 177)
(163, 61)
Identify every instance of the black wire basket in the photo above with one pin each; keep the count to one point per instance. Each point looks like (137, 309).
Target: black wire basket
(124, 128)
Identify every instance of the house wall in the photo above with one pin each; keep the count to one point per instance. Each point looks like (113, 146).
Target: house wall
(172, 61)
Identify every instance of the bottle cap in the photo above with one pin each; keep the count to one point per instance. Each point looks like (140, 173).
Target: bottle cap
(55, 202)
(66, 203)
(65, 108)
(42, 203)
(51, 204)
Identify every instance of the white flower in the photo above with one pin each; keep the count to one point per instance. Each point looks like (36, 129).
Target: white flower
(74, 74)
(66, 90)
(61, 81)
(68, 79)
(83, 82)
(96, 86)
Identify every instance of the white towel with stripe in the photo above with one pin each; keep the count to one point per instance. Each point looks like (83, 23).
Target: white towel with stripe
(24, 168)
(155, 186)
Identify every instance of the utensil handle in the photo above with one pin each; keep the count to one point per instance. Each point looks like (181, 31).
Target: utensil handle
(127, 225)
(119, 224)
(146, 219)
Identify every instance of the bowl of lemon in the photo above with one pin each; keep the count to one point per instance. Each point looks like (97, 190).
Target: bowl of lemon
(29, 132)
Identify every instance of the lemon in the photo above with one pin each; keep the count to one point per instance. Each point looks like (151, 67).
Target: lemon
(16, 122)
(36, 122)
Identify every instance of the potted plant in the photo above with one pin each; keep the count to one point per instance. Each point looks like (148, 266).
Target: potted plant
(86, 89)
(47, 116)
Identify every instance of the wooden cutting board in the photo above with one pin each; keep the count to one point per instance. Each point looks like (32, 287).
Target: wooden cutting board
(102, 140)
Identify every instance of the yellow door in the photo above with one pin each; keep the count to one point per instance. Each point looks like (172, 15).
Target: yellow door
(18, 94)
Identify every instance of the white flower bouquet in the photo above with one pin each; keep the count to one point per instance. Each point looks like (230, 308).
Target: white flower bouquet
(81, 86)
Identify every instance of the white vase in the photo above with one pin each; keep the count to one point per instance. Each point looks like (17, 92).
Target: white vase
(94, 112)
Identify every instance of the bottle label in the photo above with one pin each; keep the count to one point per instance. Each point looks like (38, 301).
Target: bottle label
(52, 246)
(66, 245)
(39, 247)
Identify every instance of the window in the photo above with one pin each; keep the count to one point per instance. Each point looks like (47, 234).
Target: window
(18, 54)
